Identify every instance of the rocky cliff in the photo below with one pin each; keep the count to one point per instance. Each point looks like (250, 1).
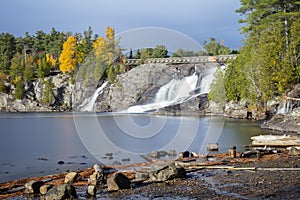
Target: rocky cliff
(33, 96)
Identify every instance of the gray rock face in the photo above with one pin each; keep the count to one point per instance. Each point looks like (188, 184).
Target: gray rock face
(3, 101)
(61, 192)
(139, 85)
(63, 90)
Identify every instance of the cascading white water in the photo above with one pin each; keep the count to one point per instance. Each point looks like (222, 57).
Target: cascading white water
(207, 80)
(177, 91)
(88, 104)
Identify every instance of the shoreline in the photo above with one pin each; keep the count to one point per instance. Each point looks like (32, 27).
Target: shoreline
(221, 178)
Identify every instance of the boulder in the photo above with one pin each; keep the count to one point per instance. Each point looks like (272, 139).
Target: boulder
(33, 187)
(294, 151)
(61, 192)
(97, 178)
(117, 181)
(185, 154)
(98, 168)
(213, 147)
(91, 190)
(44, 189)
(167, 173)
(172, 153)
(71, 177)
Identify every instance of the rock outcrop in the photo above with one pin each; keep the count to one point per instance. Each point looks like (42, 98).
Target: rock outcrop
(139, 85)
(33, 96)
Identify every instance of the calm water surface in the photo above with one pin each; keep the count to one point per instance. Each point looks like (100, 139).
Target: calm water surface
(32, 143)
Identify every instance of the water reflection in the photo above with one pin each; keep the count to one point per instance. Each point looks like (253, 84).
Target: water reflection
(81, 139)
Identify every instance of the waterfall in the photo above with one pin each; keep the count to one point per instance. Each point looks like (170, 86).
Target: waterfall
(285, 107)
(207, 79)
(178, 91)
(88, 104)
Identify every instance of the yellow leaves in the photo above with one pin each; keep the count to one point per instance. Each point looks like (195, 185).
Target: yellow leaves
(110, 33)
(17, 79)
(68, 58)
(50, 60)
(100, 46)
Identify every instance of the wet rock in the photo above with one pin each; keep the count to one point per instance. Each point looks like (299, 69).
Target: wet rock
(154, 154)
(172, 153)
(125, 160)
(162, 153)
(141, 176)
(33, 187)
(91, 190)
(97, 178)
(116, 163)
(167, 173)
(61, 192)
(60, 162)
(185, 154)
(71, 177)
(98, 168)
(213, 147)
(44, 189)
(232, 152)
(118, 181)
(294, 151)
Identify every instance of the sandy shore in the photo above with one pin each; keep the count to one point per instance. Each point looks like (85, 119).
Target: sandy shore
(274, 176)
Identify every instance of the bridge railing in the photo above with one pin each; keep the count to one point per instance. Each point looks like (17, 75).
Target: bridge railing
(178, 60)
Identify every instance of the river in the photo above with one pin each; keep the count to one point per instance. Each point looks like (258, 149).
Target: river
(32, 144)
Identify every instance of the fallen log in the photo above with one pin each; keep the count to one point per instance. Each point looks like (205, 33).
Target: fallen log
(278, 169)
(275, 140)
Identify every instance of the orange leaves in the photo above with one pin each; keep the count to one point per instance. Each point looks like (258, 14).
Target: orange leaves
(68, 58)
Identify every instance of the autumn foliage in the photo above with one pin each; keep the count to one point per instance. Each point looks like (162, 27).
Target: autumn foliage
(68, 58)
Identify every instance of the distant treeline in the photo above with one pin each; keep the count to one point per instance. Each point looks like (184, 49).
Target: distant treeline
(30, 57)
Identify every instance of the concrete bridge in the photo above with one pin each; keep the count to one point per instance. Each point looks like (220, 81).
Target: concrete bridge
(183, 60)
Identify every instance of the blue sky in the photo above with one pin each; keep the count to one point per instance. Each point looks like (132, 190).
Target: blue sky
(198, 19)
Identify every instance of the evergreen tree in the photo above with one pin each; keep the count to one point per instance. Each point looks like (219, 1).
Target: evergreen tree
(48, 95)
(7, 50)
(19, 91)
(268, 64)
